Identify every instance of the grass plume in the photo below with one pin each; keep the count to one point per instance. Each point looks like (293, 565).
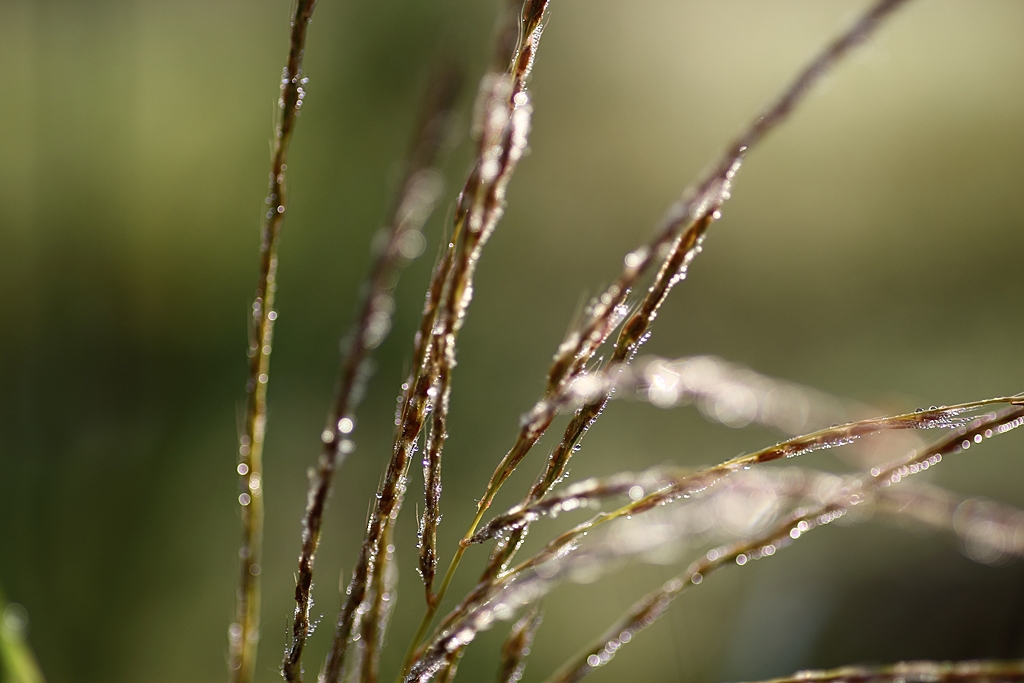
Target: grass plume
(594, 363)
(131, 557)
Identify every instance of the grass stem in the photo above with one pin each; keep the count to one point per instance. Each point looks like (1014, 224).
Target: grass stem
(244, 632)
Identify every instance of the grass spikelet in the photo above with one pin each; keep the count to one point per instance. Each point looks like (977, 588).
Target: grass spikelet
(633, 334)
(120, 322)
(451, 666)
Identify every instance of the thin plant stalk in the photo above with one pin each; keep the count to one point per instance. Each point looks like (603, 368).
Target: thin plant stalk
(244, 632)
(402, 241)
(708, 380)
(535, 426)
(504, 124)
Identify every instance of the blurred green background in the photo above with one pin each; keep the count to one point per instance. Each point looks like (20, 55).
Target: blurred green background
(873, 250)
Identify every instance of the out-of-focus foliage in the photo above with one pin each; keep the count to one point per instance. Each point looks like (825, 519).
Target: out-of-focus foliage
(17, 663)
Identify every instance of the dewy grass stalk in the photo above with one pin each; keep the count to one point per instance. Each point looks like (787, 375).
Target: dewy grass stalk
(402, 240)
(244, 633)
(579, 379)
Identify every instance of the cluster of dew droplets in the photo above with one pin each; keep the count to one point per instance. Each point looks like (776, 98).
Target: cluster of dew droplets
(291, 82)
